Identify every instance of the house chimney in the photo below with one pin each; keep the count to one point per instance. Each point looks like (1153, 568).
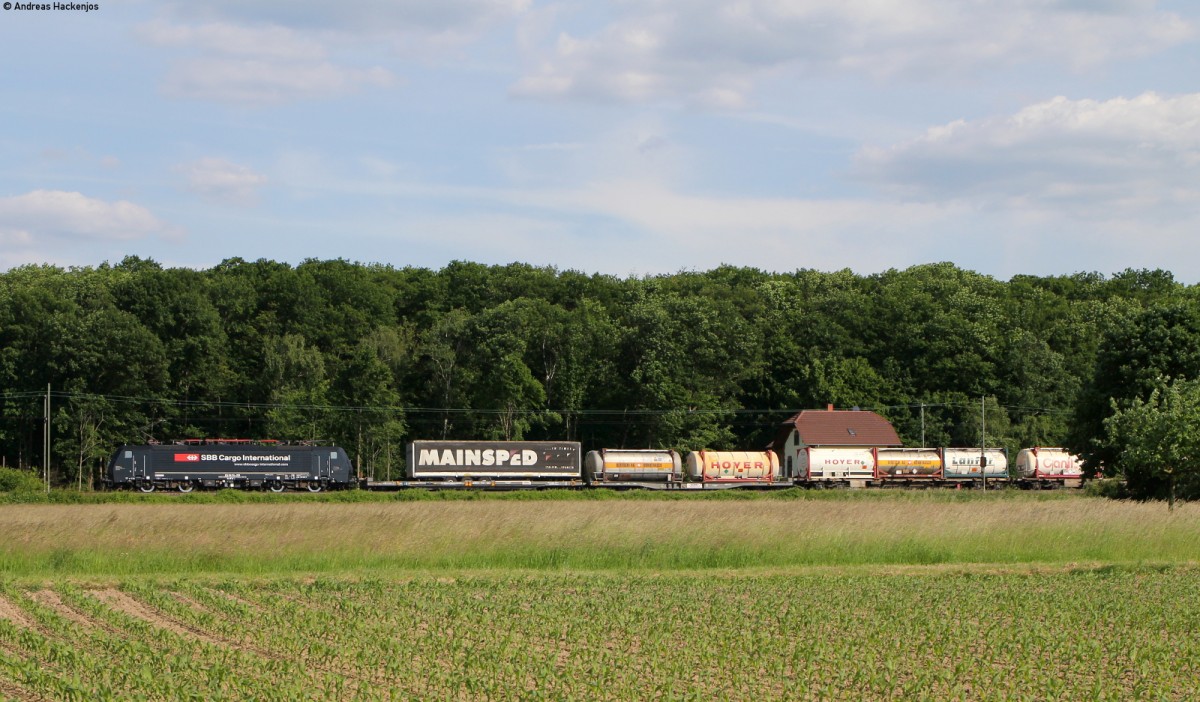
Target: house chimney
(829, 407)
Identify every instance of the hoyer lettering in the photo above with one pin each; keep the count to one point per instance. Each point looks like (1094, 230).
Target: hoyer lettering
(736, 465)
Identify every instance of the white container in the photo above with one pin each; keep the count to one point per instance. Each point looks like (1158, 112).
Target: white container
(632, 465)
(1048, 463)
(846, 463)
(733, 466)
(963, 463)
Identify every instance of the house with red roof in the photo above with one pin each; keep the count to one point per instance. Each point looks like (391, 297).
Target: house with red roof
(831, 428)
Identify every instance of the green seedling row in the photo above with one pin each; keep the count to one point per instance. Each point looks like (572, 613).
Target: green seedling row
(921, 634)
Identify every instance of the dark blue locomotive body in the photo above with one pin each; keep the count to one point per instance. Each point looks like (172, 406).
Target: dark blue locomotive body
(229, 464)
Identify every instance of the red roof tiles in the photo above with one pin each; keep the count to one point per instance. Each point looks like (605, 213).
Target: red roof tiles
(839, 428)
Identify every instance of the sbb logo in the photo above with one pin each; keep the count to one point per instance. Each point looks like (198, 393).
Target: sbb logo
(187, 458)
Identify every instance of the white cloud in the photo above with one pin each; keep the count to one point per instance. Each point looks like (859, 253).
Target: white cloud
(533, 239)
(683, 229)
(1091, 158)
(254, 65)
(712, 51)
(50, 218)
(222, 181)
(230, 39)
(641, 147)
(260, 82)
(269, 52)
(635, 227)
(407, 27)
(370, 16)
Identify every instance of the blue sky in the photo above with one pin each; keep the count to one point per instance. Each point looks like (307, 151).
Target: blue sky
(632, 137)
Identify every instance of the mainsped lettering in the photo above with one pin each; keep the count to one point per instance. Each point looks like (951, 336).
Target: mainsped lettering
(476, 457)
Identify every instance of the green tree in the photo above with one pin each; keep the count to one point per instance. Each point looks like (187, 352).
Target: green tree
(685, 358)
(447, 378)
(175, 306)
(505, 386)
(1156, 441)
(1144, 346)
(368, 417)
(297, 389)
(571, 353)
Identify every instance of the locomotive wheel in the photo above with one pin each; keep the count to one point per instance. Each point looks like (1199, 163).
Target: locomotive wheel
(185, 487)
(146, 487)
(276, 486)
(315, 487)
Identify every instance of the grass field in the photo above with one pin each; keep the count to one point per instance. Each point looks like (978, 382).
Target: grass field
(899, 596)
(307, 537)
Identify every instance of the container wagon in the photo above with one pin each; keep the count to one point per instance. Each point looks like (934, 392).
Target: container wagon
(906, 466)
(489, 464)
(816, 465)
(961, 464)
(642, 468)
(715, 469)
(1048, 467)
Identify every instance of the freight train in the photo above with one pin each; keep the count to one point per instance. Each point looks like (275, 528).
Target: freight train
(562, 464)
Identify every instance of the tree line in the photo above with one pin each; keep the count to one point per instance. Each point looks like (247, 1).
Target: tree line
(373, 356)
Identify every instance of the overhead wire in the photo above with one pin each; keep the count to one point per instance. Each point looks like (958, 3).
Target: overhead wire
(408, 410)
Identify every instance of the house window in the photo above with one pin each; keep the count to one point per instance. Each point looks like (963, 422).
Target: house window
(852, 432)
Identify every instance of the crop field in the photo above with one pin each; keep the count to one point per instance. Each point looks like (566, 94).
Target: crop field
(904, 597)
(938, 634)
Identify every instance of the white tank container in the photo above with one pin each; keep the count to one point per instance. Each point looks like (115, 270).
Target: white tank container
(633, 465)
(1049, 463)
(963, 463)
(733, 466)
(835, 463)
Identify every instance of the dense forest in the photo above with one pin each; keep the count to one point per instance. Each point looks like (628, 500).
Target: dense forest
(372, 356)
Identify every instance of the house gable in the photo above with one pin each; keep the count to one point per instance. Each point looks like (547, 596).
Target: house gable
(836, 428)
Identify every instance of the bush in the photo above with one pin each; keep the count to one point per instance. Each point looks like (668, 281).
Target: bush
(13, 480)
(1112, 488)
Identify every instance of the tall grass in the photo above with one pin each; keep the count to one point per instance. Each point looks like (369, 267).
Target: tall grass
(125, 539)
(73, 497)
